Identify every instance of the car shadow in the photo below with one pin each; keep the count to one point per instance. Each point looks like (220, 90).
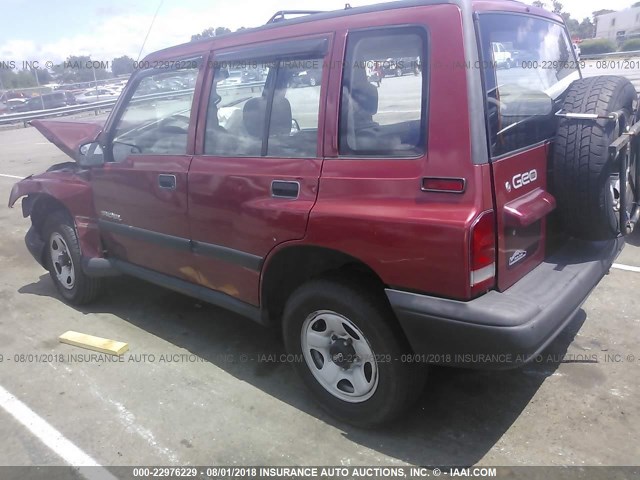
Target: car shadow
(459, 417)
(633, 238)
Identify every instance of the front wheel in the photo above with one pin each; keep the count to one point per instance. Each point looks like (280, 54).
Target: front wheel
(63, 260)
(350, 352)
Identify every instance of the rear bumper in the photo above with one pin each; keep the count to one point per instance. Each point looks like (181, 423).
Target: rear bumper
(505, 329)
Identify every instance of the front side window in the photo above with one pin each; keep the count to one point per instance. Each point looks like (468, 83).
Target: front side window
(383, 103)
(265, 109)
(156, 119)
(528, 63)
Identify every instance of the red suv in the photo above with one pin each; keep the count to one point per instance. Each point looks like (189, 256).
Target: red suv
(458, 216)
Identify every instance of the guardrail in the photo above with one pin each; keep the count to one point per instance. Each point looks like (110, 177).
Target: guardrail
(598, 56)
(26, 117)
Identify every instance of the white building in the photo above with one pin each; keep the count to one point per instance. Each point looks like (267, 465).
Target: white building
(618, 24)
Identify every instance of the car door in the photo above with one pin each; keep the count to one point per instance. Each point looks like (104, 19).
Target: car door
(140, 192)
(254, 178)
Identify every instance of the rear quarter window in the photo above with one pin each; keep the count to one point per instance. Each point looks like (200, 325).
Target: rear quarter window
(384, 93)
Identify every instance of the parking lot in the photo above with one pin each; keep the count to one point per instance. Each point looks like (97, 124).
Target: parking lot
(203, 386)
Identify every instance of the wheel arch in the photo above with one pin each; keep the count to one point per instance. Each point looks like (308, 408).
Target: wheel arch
(44, 205)
(291, 266)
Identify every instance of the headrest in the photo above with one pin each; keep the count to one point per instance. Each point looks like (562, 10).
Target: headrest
(280, 117)
(364, 94)
(253, 116)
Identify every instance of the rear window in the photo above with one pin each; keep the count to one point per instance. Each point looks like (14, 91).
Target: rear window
(528, 63)
(383, 103)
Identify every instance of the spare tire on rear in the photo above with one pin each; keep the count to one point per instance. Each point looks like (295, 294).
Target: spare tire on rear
(582, 175)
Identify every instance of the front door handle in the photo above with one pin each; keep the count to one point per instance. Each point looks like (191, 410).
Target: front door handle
(285, 189)
(167, 181)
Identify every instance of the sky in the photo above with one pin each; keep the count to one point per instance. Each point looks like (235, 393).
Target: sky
(44, 30)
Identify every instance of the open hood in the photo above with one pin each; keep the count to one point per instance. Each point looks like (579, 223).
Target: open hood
(69, 135)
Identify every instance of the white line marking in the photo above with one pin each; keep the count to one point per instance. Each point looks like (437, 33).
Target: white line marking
(52, 438)
(10, 176)
(628, 268)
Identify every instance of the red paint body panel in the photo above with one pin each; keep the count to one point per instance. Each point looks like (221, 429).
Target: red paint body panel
(69, 135)
(75, 193)
(131, 189)
(529, 208)
(504, 171)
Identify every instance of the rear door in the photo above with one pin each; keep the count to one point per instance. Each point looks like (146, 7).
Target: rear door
(521, 102)
(254, 178)
(140, 193)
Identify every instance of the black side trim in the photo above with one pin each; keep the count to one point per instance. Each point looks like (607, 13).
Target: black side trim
(161, 239)
(247, 260)
(99, 267)
(272, 51)
(191, 289)
(227, 254)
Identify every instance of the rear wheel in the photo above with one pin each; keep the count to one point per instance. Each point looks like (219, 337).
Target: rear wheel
(398, 72)
(586, 183)
(63, 260)
(350, 351)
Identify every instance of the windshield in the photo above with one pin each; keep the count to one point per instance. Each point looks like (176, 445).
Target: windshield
(528, 63)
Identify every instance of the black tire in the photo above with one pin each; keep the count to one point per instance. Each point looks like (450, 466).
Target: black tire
(399, 383)
(581, 169)
(84, 289)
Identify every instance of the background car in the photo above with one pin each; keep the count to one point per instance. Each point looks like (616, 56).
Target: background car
(576, 48)
(43, 102)
(234, 78)
(501, 55)
(310, 77)
(400, 66)
(96, 95)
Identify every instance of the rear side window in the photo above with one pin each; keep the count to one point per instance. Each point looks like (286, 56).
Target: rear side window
(384, 93)
(270, 109)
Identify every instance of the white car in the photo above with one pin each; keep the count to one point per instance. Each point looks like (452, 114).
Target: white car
(501, 56)
(97, 95)
(576, 48)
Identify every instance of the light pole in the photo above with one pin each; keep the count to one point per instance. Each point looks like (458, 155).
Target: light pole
(35, 71)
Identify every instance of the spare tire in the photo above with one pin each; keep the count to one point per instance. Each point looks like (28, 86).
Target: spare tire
(582, 175)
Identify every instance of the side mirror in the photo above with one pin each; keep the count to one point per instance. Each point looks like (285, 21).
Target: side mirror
(90, 155)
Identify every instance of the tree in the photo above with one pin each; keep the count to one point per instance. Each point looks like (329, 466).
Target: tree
(80, 69)
(586, 29)
(602, 12)
(538, 4)
(637, 4)
(43, 75)
(557, 7)
(210, 32)
(122, 65)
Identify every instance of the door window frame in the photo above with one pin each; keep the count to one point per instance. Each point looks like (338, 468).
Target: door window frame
(124, 102)
(425, 62)
(320, 45)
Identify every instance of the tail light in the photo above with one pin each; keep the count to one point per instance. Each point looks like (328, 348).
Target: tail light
(483, 253)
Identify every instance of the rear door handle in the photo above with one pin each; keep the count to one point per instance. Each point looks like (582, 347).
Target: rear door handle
(285, 189)
(167, 181)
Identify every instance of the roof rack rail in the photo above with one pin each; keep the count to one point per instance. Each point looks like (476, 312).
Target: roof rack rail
(280, 16)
